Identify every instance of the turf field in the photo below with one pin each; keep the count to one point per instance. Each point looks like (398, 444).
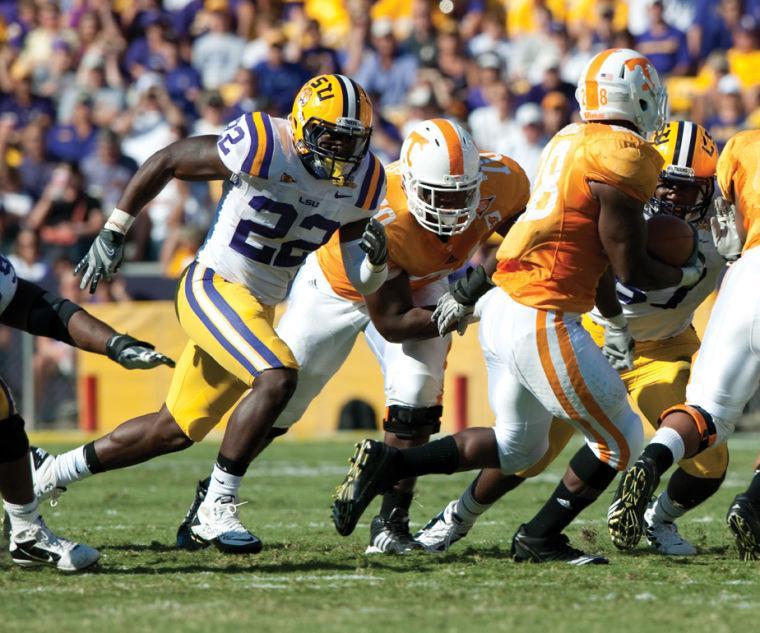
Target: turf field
(310, 579)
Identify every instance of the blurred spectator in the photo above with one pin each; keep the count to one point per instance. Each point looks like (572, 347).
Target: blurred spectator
(107, 171)
(181, 80)
(65, 216)
(715, 22)
(489, 67)
(730, 116)
(27, 259)
(422, 40)
(532, 53)
(551, 81)
(493, 36)
(23, 107)
(147, 53)
(664, 45)
(556, 110)
(527, 141)
(217, 54)
(744, 56)
(315, 57)
(74, 139)
(212, 119)
(493, 122)
(452, 62)
(386, 70)
(244, 95)
(36, 167)
(279, 80)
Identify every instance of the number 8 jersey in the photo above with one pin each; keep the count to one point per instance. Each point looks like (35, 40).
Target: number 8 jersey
(273, 212)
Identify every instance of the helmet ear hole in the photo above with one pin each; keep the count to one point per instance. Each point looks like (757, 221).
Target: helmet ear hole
(643, 105)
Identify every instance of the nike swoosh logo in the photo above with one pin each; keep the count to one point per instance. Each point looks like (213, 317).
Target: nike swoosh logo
(37, 553)
(340, 195)
(237, 539)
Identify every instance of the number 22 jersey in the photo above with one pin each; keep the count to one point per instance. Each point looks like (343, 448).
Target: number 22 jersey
(273, 212)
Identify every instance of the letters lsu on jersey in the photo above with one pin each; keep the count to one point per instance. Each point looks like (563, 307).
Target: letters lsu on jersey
(273, 212)
(504, 192)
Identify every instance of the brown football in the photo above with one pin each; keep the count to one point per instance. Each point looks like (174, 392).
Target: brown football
(670, 239)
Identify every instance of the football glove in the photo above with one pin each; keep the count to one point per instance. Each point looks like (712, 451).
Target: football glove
(473, 285)
(374, 243)
(618, 346)
(725, 234)
(133, 354)
(102, 260)
(450, 313)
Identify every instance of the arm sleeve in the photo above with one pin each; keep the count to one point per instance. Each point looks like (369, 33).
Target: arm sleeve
(364, 277)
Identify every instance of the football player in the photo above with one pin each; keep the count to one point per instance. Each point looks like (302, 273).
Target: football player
(289, 184)
(585, 214)
(655, 371)
(726, 371)
(27, 307)
(444, 200)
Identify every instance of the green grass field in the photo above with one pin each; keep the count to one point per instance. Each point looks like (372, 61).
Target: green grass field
(310, 579)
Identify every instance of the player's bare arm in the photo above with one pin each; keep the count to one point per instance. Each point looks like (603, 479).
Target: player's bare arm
(622, 230)
(394, 314)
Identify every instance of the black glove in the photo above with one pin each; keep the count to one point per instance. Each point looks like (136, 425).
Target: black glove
(374, 243)
(133, 354)
(468, 289)
(102, 260)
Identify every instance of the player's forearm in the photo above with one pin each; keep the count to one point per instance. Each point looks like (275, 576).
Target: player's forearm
(606, 297)
(413, 324)
(649, 274)
(88, 333)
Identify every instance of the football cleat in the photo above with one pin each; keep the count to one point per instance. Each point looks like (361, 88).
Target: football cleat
(185, 537)
(43, 469)
(37, 545)
(218, 523)
(743, 520)
(391, 535)
(443, 530)
(664, 537)
(625, 517)
(368, 476)
(551, 549)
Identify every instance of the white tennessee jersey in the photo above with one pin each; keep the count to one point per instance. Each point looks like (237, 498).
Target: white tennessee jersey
(273, 212)
(8, 283)
(654, 315)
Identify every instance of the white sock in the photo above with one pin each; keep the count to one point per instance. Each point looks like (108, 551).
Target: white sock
(222, 484)
(672, 440)
(468, 509)
(666, 510)
(21, 516)
(71, 466)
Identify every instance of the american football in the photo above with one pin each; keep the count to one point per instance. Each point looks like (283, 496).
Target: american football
(360, 315)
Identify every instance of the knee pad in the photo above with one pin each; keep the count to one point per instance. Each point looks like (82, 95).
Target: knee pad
(408, 423)
(14, 443)
(708, 433)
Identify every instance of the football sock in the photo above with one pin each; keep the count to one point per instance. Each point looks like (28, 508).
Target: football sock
(665, 449)
(21, 516)
(71, 466)
(666, 510)
(753, 492)
(395, 499)
(225, 478)
(467, 508)
(439, 456)
(558, 512)
(686, 491)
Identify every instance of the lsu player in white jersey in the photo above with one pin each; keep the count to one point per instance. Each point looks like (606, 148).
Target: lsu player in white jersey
(289, 185)
(444, 199)
(655, 372)
(726, 371)
(27, 307)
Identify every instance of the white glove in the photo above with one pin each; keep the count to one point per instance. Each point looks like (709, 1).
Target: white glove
(723, 226)
(618, 344)
(450, 313)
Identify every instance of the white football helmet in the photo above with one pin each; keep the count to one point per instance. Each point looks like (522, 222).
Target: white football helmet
(440, 169)
(621, 84)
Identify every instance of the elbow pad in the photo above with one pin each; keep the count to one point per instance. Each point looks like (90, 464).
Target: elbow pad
(364, 276)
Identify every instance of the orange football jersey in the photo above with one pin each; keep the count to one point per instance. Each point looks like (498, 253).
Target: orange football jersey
(419, 252)
(739, 181)
(553, 257)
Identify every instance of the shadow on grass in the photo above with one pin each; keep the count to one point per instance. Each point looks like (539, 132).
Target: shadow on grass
(254, 566)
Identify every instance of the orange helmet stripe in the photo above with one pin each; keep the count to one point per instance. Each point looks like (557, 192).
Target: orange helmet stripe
(453, 145)
(592, 86)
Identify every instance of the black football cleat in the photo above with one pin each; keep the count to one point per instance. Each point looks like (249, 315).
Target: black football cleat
(552, 549)
(625, 517)
(391, 535)
(368, 477)
(743, 520)
(185, 537)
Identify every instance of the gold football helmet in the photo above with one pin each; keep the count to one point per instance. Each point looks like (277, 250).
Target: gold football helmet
(687, 180)
(331, 124)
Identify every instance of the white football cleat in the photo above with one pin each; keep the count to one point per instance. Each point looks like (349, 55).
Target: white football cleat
(664, 537)
(217, 522)
(37, 545)
(444, 529)
(43, 471)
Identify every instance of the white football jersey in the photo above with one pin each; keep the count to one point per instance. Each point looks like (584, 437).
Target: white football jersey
(654, 315)
(8, 283)
(273, 212)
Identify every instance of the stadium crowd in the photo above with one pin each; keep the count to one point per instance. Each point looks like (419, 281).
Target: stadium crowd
(90, 88)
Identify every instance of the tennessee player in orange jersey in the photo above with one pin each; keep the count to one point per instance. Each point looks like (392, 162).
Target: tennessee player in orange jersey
(585, 215)
(444, 199)
(727, 369)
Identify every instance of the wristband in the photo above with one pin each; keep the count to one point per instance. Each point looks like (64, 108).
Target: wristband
(119, 221)
(619, 321)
